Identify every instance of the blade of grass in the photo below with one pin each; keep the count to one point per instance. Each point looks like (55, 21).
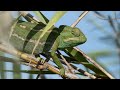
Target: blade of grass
(54, 19)
(41, 17)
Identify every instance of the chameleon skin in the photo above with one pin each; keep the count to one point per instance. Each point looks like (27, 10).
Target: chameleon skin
(25, 36)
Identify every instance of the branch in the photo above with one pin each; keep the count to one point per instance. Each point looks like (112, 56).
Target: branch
(70, 68)
(100, 16)
(80, 17)
(84, 72)
(92, 61)
(33, 61)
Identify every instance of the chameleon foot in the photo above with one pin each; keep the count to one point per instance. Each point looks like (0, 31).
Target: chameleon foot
(40, 62)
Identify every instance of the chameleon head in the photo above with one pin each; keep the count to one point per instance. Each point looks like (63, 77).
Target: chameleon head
(71, 36)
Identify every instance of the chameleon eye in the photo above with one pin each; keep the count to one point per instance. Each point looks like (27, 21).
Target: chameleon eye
(76, 32)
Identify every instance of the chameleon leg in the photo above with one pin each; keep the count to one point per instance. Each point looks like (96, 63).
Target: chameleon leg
(56, 59)
(41, 61)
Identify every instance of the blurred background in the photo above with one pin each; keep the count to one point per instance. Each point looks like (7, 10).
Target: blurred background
(102, 29)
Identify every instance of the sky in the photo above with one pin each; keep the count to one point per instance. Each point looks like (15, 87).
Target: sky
(92, 33)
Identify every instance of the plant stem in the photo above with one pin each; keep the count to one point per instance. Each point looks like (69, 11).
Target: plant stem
(33, 61)
(80, 17)
(92, 61)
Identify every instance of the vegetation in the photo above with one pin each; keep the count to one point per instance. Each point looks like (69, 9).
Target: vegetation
(77, 63)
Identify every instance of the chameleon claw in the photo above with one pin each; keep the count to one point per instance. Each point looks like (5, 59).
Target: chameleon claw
(40, 62)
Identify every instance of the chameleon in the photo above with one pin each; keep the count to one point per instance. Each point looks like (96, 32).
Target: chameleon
(25, 36)
(75, 54)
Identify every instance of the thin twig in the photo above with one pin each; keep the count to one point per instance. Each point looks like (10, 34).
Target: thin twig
(103, 17)
(116, 34)
(84, 72)
(112, 24)
(25, 14)
(71, 69)
(92, 61)
(80, 17)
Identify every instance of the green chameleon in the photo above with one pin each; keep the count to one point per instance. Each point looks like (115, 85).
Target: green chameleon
(25, 36)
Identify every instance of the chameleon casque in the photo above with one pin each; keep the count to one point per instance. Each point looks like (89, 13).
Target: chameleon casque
(26, 34)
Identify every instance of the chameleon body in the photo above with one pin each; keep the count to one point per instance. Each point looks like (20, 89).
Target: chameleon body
(26, 34)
